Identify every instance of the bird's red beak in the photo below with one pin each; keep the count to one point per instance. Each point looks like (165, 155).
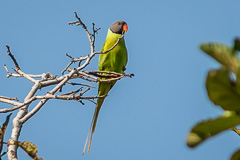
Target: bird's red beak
(125, 28)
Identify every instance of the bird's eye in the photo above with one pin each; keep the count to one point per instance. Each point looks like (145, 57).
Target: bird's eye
(119, 23)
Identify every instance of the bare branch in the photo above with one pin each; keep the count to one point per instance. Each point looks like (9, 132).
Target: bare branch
(17, 68)
(20, 72)
(9, 98)
(95, 31)
(9, 74)
(17, 124)
(87, 32)
(52, 92)
(70, 63)
(5, 110)
(18, 105)
(62, 97)
(44, 76)
(73, 60)
(11, 102)
(88, 75)
(12, 57)
(84, 91)
(67, 96)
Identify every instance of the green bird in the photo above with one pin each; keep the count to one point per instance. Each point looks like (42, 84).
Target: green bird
(115, 60)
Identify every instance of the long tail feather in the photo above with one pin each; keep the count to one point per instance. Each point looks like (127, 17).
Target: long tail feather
(93, 125)
(103, 89)
(95, 117)
(87, 140)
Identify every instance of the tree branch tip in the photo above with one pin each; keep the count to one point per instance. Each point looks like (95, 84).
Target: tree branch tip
(68, 55)
(8, 47)
(131, 75)
(80, 21)
(14, 98)
(5, 66)
(76, 15)
(81, 102)
(12, 57)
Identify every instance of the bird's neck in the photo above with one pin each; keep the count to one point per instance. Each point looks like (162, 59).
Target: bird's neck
(112, 35)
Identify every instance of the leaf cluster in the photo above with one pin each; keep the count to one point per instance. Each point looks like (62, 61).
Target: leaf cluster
(223, 88)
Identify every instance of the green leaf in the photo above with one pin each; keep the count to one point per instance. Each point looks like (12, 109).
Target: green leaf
(222, 91)
(30, 148)
(236, 155)
(209, 128)
(223, 54)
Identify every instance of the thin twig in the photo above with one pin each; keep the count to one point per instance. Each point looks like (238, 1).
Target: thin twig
(73, 60)
(44, 76)
(93, 35)
(73, 92)
(66, 96)
(84, 92)
(87, 32)
(17, 68)
(9, 98)
(87, 75)
(11, 102)
(12, 57)
(80, 84)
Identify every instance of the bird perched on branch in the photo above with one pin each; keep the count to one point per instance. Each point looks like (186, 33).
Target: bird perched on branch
(114, 60)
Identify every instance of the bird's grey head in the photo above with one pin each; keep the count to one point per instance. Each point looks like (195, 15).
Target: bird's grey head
(119, 27)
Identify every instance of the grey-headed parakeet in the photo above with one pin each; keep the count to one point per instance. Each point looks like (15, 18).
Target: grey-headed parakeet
(114, 60)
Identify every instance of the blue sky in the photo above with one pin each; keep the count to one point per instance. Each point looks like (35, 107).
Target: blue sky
(146, 117)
